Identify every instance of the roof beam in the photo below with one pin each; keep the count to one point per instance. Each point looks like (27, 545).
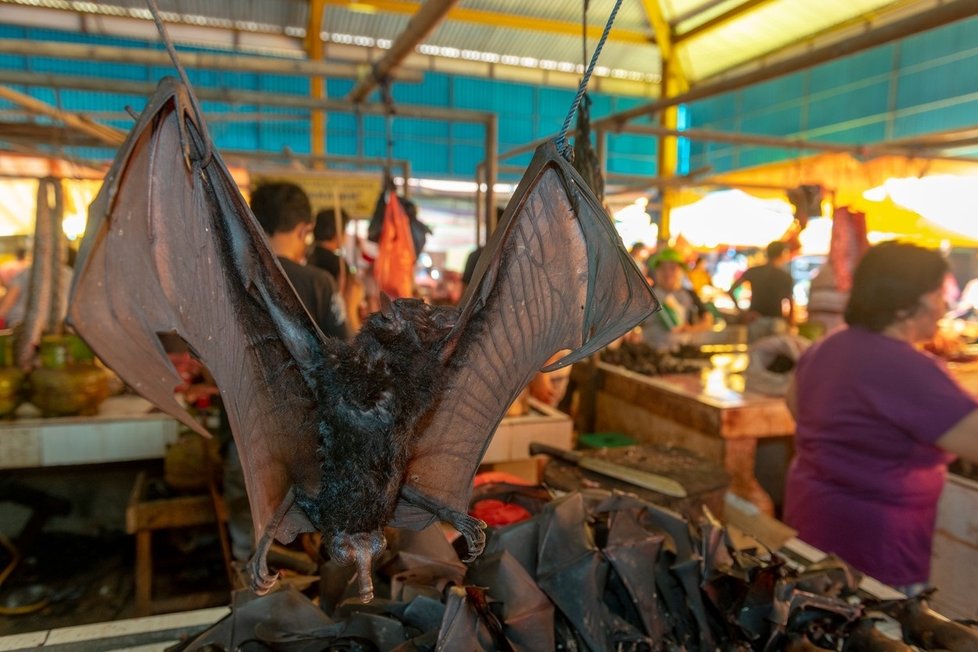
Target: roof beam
(722, 19)
(236, 96)
(422, 23)
(937, 16)
(665, 39)
(508, 21)
(107, 135)
(207, 60)
(26, 133)
(845, 29)
(678, 19)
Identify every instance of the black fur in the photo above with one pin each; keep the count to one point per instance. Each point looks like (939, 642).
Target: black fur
(368, 411)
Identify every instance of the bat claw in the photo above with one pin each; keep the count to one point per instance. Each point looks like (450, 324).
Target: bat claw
(261, 580)
(473, 529)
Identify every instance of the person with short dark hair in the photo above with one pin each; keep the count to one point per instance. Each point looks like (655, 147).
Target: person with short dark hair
(772, 305)
(328, 252)
(284, 212)
(877, 422)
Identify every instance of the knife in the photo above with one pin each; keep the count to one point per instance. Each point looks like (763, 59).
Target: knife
(637, 477)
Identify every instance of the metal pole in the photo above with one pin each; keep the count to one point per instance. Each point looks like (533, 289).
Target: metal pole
(480, 205)
(317, 84)
(492, 172)
(108, 135)
(878, 149)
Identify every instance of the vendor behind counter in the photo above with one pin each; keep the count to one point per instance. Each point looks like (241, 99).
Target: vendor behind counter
(682, 310)
(877, 422)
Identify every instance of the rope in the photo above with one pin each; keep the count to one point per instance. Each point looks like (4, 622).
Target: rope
(388, 100)
(208, 145)
(562, 145)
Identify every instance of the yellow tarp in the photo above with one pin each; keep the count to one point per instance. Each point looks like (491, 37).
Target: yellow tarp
(846, 178)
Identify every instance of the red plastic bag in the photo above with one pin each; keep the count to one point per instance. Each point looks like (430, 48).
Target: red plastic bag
(394, 267)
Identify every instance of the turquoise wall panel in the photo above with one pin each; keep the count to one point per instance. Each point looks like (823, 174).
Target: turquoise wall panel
(764, 96)
(936, 83)
(837, 109)
(954, 41)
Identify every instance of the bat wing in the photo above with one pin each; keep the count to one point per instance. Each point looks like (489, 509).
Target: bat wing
(172, 247)
(555, 276)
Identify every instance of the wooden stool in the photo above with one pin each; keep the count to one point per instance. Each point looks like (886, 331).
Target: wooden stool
(142, 517)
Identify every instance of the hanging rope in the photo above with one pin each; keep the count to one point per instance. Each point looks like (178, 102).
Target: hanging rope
(562, 146)
(208, 145)
(388, 100)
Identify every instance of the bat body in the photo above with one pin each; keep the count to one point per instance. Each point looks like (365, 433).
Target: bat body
(337, 437)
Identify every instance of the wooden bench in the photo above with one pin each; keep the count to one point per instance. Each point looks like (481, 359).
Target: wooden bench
(143, 516)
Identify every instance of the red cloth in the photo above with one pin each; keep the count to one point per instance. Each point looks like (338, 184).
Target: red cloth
(497, 513)
(489, 477)
(394, 267)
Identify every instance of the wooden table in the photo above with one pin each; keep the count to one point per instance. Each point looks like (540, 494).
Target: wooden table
(698, 412)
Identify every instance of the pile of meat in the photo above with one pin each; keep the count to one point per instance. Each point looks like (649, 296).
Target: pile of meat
(644, 359)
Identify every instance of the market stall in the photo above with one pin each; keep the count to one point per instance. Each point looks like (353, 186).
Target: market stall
(702, 415)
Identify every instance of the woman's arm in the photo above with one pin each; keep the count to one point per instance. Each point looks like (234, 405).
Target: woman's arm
(962, 438)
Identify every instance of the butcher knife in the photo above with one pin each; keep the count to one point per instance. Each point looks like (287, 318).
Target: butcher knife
(637, 477)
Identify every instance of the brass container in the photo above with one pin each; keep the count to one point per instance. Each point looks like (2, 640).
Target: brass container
(11, 390)
(11, 378)
(63, 386)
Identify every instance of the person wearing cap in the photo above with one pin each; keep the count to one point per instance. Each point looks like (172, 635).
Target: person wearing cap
(682, 311)
(772, 307)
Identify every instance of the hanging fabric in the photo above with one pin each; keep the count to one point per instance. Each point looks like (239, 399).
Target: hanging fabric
(394, 267)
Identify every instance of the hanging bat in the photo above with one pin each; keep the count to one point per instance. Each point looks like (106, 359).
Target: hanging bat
(343, 438)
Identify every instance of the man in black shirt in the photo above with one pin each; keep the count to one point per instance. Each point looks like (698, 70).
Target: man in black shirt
(284, 211)
(770, 290)
(327, 254)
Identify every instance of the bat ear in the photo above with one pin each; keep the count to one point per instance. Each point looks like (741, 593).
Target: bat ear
(386, 304)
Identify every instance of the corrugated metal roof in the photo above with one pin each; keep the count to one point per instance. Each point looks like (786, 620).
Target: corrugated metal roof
(492, 28)
(764, 29)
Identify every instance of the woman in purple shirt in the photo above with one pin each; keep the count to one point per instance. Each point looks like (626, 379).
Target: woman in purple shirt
(878, 420)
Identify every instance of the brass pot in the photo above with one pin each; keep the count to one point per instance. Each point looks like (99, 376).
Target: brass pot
(63, 385)
(72, 389)
(11, 390)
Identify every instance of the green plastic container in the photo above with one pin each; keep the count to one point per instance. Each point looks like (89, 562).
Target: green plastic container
(604, 440)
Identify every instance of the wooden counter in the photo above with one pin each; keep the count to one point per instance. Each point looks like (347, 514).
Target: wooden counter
(698, 412)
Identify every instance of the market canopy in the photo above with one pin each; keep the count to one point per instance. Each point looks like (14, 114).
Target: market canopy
(731, 217)
(912, 200)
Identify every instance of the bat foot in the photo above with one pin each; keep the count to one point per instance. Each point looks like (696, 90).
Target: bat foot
(262, 581)
(473, 529)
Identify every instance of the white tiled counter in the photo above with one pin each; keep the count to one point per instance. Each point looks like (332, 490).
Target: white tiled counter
(125, 429)
(151, 634)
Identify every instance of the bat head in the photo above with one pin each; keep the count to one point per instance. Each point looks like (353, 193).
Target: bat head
(406, 326)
